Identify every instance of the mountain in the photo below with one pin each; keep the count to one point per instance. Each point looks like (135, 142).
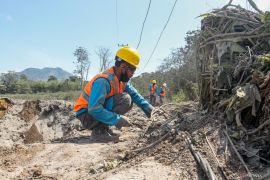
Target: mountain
(43, 74)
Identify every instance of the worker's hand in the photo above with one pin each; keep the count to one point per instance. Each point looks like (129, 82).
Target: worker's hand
(149, 111)
(123, 122)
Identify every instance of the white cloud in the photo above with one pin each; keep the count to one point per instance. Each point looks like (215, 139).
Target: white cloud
(9, 18)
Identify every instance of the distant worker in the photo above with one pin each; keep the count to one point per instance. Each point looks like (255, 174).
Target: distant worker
(109, 95)
(162, 93)
(153, 89)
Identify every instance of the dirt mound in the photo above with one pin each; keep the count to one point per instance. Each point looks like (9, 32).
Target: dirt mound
(30, 109)
(33, 135)
(53, 122)
(37, 121)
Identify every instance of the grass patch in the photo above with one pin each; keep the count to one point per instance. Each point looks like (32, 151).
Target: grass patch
(179, 97)
(69, 96)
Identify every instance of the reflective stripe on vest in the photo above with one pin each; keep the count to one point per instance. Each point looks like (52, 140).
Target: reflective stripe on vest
(116, 87)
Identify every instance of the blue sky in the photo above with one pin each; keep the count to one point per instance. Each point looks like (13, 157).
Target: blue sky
(46, 33)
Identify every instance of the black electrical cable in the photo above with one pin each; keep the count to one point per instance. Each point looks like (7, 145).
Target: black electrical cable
(143, 24)
(160, 35)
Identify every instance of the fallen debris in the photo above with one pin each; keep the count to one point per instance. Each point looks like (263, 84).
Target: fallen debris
(238, 155)
(234, 76)
(4, 104)
(202, 161)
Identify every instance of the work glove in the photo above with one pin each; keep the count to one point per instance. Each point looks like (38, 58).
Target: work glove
(123, 122)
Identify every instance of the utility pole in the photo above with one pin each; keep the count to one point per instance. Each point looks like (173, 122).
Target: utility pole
(122, 45)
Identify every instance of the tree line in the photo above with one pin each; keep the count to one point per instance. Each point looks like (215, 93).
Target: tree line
(15, 83)
(178, 71)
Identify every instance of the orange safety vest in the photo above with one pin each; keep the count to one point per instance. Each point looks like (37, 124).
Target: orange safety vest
(116, 86)
(153, 89)
(162, 93)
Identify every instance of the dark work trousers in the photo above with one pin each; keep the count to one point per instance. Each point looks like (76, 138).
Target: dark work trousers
(122, 103)
(161, 99)
(153, 98)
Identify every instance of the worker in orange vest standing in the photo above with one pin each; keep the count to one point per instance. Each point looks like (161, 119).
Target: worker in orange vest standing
(153, 89)
(162, 93)
(109, 95)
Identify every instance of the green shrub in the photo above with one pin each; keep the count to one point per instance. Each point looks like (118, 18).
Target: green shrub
(180, 96)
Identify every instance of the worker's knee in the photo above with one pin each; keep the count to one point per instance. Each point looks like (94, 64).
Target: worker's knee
(122, 103)
(126, 99)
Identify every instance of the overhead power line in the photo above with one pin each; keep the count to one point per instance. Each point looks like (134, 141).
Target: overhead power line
(160, 35)
(143, 24)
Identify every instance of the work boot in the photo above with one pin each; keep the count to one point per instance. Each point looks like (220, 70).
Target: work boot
(104, 134)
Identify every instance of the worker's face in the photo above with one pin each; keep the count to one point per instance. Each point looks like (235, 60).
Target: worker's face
(127, 72)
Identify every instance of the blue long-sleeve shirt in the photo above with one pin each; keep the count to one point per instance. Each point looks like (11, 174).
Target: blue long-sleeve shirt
(97, 99)
(160, 90)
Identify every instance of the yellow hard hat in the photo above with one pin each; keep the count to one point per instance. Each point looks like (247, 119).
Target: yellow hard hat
(154, 81)
(130, 55)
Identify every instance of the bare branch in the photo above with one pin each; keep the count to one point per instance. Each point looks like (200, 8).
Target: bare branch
(253, 4)
(105, 60)
(224, 7)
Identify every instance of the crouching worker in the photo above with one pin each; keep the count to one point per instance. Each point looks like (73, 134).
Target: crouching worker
(109, 95)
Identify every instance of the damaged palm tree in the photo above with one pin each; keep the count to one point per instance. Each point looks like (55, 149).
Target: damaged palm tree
(233, 62)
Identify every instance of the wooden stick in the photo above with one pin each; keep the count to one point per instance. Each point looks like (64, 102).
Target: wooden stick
(226, 144)
(202, 162)
(152, 144)
(260, 127)
(239, 19)
(219, 166)
(257, 156)
(211, 80)
(216, 89)
(238, 155)
(265, 177)
(259, 138)
(236, 39)
(224, 7)
(251, 2)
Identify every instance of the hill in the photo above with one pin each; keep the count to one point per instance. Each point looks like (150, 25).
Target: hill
(43, 74)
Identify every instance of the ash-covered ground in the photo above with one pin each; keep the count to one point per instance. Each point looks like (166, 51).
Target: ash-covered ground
(43, 140)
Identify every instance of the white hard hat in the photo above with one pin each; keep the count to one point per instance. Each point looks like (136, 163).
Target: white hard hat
(164, 84)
